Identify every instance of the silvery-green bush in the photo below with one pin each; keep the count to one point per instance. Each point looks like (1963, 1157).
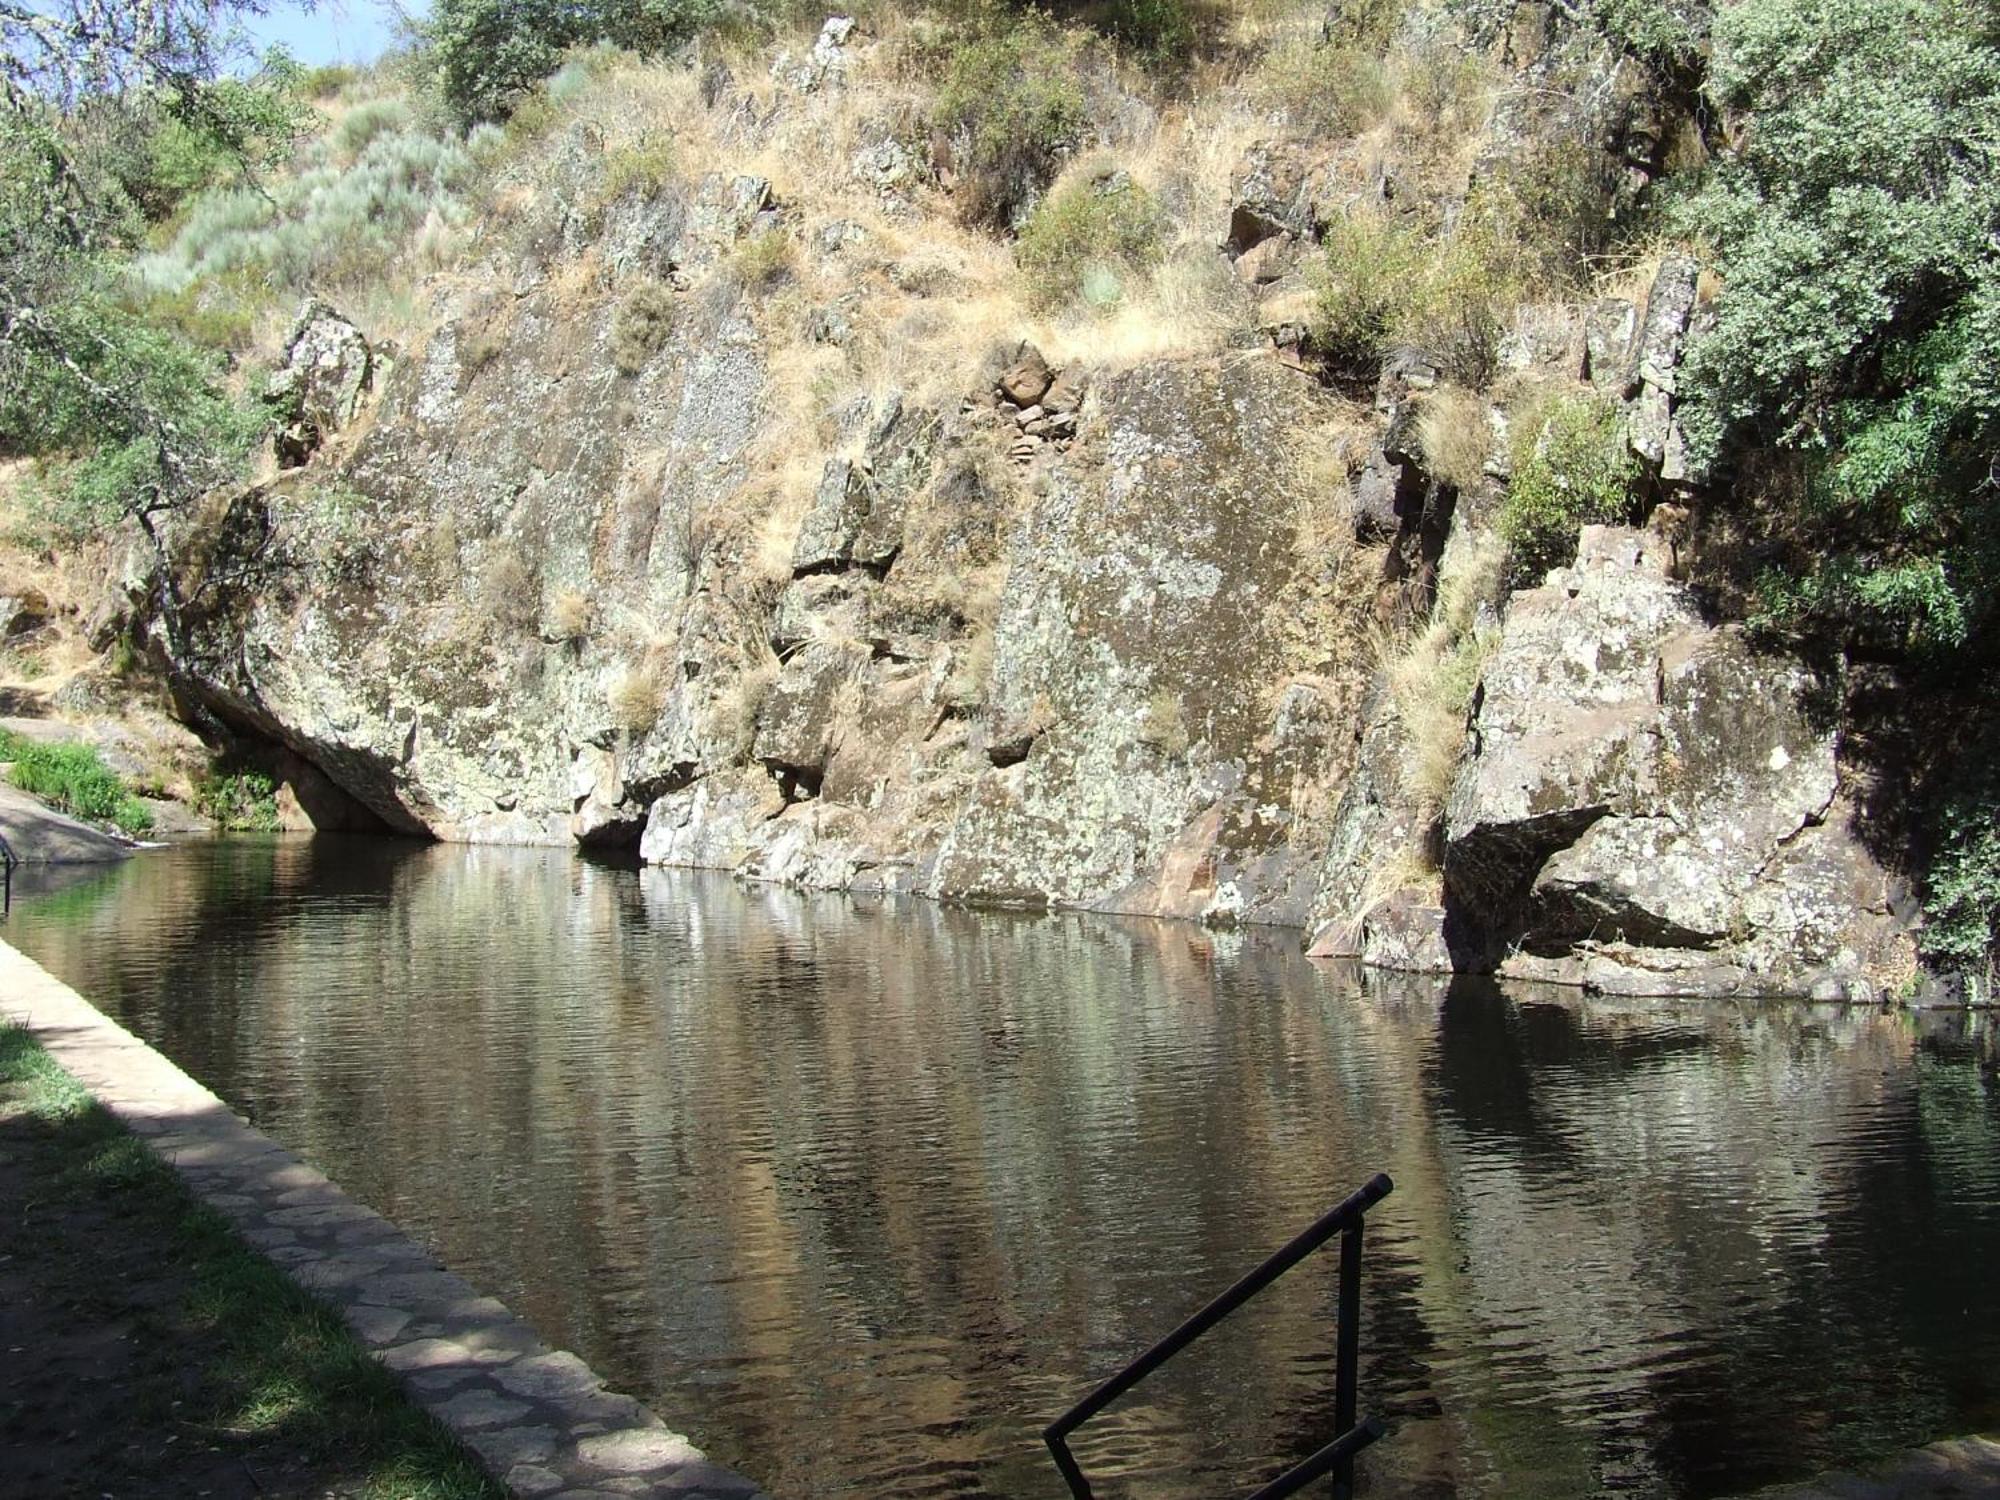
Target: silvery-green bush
(329, 220)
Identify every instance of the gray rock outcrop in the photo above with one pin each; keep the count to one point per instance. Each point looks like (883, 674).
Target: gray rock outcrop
(328, 367)
(1652, 805)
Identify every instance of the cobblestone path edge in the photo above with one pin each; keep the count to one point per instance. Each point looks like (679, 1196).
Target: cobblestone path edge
(539, 1419)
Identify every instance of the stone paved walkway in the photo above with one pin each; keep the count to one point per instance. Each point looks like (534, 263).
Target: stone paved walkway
(538, 1418)
(1956, 1470)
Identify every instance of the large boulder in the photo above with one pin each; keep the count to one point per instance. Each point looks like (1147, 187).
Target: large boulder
(856, 519)
(1651, 804)
(389, 618)
(38, 834)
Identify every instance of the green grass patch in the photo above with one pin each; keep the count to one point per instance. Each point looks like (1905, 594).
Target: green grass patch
(245, 802)
(1011, 105)
(273, 1362)
(75, 779)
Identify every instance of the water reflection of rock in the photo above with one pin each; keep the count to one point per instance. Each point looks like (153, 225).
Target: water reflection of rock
(863, 1192)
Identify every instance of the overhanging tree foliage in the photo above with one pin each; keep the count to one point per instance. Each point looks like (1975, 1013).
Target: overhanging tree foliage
(133, 420)
(1858, 234)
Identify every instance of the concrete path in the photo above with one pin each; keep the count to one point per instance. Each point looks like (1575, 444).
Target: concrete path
(539, 1419)
(1960, 1469)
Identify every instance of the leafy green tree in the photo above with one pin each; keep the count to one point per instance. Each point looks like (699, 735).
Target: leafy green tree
(128, 420)
(1857, 231)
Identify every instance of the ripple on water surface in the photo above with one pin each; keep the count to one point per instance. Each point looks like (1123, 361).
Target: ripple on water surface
(861, 1194)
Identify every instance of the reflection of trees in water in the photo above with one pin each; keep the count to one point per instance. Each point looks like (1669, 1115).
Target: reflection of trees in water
(898, 1181)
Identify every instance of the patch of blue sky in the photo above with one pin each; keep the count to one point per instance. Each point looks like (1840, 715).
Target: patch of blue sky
(334, 31)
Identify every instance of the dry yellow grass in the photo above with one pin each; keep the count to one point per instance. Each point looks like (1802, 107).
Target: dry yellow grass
(1431, 676)
(637, 696)
(1456, 437)
(739, 703)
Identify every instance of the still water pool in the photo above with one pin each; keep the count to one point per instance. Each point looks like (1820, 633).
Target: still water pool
(859, 1194)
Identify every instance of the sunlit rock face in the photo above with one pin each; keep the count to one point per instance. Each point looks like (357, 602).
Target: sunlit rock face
(443, 619)
(658, 536)
(1142, 641)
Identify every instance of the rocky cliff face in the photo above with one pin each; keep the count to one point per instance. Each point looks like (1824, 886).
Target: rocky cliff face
(1104, 635)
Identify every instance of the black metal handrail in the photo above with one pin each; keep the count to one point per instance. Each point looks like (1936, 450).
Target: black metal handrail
(1337, 1457)
(8, 859)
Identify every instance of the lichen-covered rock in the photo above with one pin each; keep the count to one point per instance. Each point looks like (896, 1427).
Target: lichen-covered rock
(1609, 331)
(1669, 305)
(712, 824)
(318, 388)
(800, 717)
(856, 517)
(825, 65)
(1273, 197)
(1405, 932)
(1650, 803)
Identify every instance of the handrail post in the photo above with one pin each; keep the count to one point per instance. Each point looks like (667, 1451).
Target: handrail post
(1337, 1457)
(1347, 1351)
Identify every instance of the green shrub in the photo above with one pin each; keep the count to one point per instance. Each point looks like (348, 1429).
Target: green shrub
(329, 223)
(1085, 238)
(646, 167)
(1962, 899)
(1574, 469)
(1673, 38)
(1380, 282)
(1165, 30)
(640, 327)
(764, 259)
(327, 81)
(1360, 283)
(243, 802)
(1012, 109)
(1470, 282)
(489, 54)
(219, 313)
(1558, 207)
(1332, 89)
(75, 779)
(367, 120)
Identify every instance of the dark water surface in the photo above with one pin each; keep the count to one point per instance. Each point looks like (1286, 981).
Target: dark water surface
(861, 1194)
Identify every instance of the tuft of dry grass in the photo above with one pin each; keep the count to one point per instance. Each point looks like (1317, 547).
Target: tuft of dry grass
(1456, 436)
(508, 589)
(738, 705)
(637, 697)
(640, 327)
(1326, 88)
(572, 615)
(764, 260)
